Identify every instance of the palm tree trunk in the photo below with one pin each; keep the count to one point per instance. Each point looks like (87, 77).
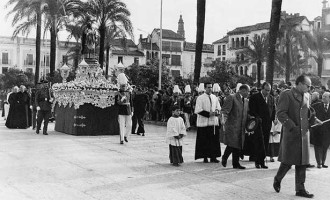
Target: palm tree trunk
(319, 66)
(288, 62)
(52, 48)
(107, 62)
(102, 30)
(38, 41)
(83, 43)
(199, 39)
(76, 59)
(259, 72)
(273, 30)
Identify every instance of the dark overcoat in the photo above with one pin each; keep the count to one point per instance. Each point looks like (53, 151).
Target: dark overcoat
(235, 113)
(293, 112)
(321, 134)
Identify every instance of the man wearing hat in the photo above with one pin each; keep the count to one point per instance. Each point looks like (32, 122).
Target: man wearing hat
(43, 101)
(124, 102)
(207, 140)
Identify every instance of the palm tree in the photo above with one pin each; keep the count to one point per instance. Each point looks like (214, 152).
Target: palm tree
(275, 18)
(108, 13)
(56, 15)
(199, 38)
(30, 12)
(257, 52)
(112, 33)
(319, 43)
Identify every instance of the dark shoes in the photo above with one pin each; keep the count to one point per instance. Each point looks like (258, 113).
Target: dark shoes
(310, 166)
(140, 134)
(45, 133)
(205, 160)
(263, 166)
(176, 164)
(37, 131)
(324, 166)
(319, 166)
(121, 142)
(214, 160)
(277, 185)
(257, 166)
(272, 160)
(304, 193)
(238, 167)
(224, 162)
(125, 138)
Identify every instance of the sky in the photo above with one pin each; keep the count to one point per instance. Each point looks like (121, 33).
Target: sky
(221, 15)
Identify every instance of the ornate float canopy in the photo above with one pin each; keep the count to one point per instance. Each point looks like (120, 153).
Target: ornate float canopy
(89, 86)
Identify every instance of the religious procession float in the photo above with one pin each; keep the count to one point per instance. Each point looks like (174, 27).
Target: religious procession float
(85, 106)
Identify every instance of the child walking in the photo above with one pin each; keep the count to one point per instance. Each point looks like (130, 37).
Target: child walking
(176, 130)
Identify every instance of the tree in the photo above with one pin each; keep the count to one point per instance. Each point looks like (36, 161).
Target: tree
(199, 39)
(147, 75)
(30, 13)
(112, 33)
(273, 29)
(257, 52)
(319, 43)
(108, 13)
(56, 15)
(15, 77)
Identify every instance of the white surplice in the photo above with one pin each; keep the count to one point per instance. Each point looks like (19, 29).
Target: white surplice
(209, 103)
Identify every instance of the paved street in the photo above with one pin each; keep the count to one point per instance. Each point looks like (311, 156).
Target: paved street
(60, 166)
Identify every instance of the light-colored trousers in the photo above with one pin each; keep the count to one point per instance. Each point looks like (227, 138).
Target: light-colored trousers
(187, 117)
(6, 108)
(125, 125)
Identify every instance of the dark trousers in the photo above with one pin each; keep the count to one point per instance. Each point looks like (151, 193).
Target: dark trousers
(300, 171)
(43, 115)
(320, 154)
(235, 152)
(34, 118)
(137, 118)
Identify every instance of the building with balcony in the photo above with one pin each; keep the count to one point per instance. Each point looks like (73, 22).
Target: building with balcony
(20, 53)
(325, 27)
(238, 39)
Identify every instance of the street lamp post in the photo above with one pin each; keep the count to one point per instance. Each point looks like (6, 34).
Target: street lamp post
(160, 45)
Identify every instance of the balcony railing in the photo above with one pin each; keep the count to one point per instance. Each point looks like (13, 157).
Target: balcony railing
(29, 63)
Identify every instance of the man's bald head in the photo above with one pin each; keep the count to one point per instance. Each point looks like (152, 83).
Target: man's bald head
(326, 97)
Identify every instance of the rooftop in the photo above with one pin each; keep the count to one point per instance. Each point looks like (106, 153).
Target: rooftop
(222, 40)
(169, 34)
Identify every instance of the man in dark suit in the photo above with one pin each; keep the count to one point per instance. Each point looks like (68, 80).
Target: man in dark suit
(43, 101)
(141, 103)
(321, 133)
(262, 107)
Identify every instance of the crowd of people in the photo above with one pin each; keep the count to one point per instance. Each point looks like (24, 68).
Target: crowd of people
(271, 121)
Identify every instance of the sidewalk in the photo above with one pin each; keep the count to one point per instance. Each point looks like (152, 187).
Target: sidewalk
(65, 167)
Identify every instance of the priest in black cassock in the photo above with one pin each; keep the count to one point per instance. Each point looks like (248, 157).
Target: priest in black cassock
(207, 140)
(15, 118)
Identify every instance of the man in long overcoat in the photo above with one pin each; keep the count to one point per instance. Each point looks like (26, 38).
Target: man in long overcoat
(262, 106)
(235, 110)
(294, 113)
(321, 133)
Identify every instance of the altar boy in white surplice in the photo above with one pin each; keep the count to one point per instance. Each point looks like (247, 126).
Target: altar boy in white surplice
(176, 130)
(207, 140)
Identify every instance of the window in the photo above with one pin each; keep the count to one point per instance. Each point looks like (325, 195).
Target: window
(5, 58)
(47, 59)
(237, 43)
(318, 25)
(242, 57)
(136, 60)
(30, 70)
(29, 59)
(246, 41)
(223, 50)
(4, 70)
(166, 58)
(166, 46)
(232, 42)
(219, 50)
(327, 19)
(242, 42)
(223, 58)
(175, 73)
(120, 59)
(176, 46)
(176, 60)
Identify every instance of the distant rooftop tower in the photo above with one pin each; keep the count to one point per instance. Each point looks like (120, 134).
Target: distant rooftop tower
(181, 27)
(324, 4)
